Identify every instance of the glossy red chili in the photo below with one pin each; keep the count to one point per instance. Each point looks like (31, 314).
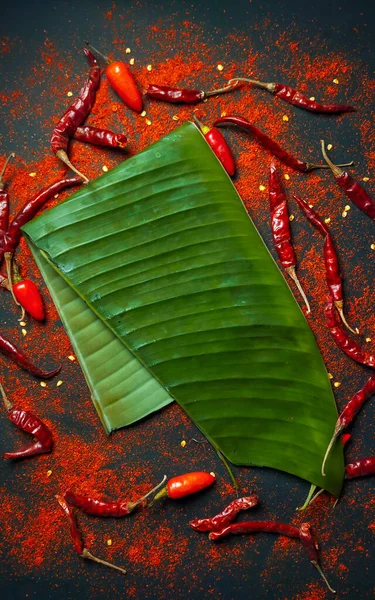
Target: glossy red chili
(184, 485)
(100, 137)
(226, 516)
(10, 350)
(219, 146)
(28, 296)
(293, 96)
(183, 96)
(360, 468)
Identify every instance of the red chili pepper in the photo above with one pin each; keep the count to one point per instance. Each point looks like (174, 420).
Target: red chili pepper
(98, 508)
(255, 527)
(28, 296)
(122, 80)
(77, 538)
(289, 94)
(10, 350)
(281, 229)
(350, 412)
(345, 438)
(226, 516)
(269, 144)
(343, 341)
(360, 468)
(311, 547)
(333, 275)
(76, 114)
(184, 485)
(100, 137)
(355, 192)
(219, 145)
(4, 207)
(183, 96)
(29, 423)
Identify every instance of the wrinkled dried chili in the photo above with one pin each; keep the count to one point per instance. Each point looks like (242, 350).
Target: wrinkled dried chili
(183, 96)
(100, 137)
(360, 468)
(10, 350)
(226, 516)
(255, 527)
(4, 207)
(311, 547)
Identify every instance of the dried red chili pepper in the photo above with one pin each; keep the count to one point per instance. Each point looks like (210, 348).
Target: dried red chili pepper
(281, 229)
(122, 80)
(29, 423)
(343, 341)
(10, 350)
(183, 96)
(4, 207)
(289, 94)
(351, 187)
(255, 527)
(311, 547)
(219, 146)
(226, 516)
(360, 468)
(184, 485)
(98, 508)
(333, 274)
(350, 412)
(269, 144)
(76, 114)
(100, 137)
(77, 538)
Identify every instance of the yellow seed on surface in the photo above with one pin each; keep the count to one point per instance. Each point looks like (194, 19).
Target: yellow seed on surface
(337, 384)
(344, 213)
(70, 94)
(183, 444)
(286, 176)
(131, 61)
(175, 117)
(285, 118)
(312, 98)
(105, 168)
(23, 323)
(366, 179)
(347, 207)
(149, 67)
(24, 332)
(49, 473)
(330, 376)
(59, 383)
(32, 174)
(311, 206)
(291, 217)
(148, 122)
(56, 196)
(72, 358)
(262, 188)
(368, 339)
(372, 246)
(127, 51)
(336, 81)
(143, 113)
(220, 67)
(223, 114)
(329, 147)
(327, 220)
(213, 474)
(43, 384)
(109, 542)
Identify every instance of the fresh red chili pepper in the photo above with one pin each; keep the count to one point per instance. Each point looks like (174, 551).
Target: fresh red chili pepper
(4, 207)
(98, 508)
(219, 146)
(183, 96)
(269, 144)
(28, 296)
(343, 341)
(345, 438)
(76, 114)
(289, 94)
(353, 190)
(29, 423)
(311, 547)
(77, 538)
(10, 350)
(349, 413)
(122, 80)
(281, 229)
(255, 527)
(333, 275)
(100, 137)
(360, 468)
(226, 516)
(184, 485)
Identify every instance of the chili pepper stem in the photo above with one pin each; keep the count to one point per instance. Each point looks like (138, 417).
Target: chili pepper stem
(97, 52)
(339, 304)
(292, 273)
(62, 155)
(309, 496)
(312, 166)
(8, 262)
(230, 472)
(11, 155)
(316, 496)
(270, 87)
(223, 90)
(163, 493)
(319, 569)
(336, 433)
(7, 403)
(334, 168)
(198, 122)
(133, 505)
(87, 554)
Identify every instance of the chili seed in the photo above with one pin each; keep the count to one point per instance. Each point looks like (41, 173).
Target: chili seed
(368, 339)
(286, 176)
(372, 246)
(329, 147)
(71, 357)
(337, 384)
(223, 114)
(183, 444)
(336, 81)
(285, 118)
(24, 332)
(59, 383)
(312, 98)
(143, 113)
(149, 67)
(104, 168)
(43, 384)
(366, 179)
(70, 94)
(175, 117)
(127, 51)
(213, 474)
(291, 217)
(56, 196)
(311, 206)
(32, 174)
(23, 323)
(262, 188)
(327, 220)
(148, 122)
(49, 473)
(131, 61)
(109, 542)
(220, 67)
(330, 376)
(347, 207)
(344, 213)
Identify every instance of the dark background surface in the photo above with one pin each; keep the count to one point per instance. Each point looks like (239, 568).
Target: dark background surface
(258, 572)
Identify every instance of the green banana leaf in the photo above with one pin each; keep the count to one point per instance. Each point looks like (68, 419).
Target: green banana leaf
(163, 252)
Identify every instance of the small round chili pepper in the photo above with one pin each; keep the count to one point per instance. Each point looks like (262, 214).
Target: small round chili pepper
(311, 547)
(353, 190)
(255, 527)
(333, 275)
(349, 413)
(10, 350)
(4, 206)
(122, 80)
(76, 114)
(183, 96)
(360, 468)
(98, 508)
(29, 423)
(27, 295)
(343, 341)
(77, 538)
(184, 485)
(281, 229)
(289, 94)
(226, 516)
(219, 145)
(100, 137)
(269, 144)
